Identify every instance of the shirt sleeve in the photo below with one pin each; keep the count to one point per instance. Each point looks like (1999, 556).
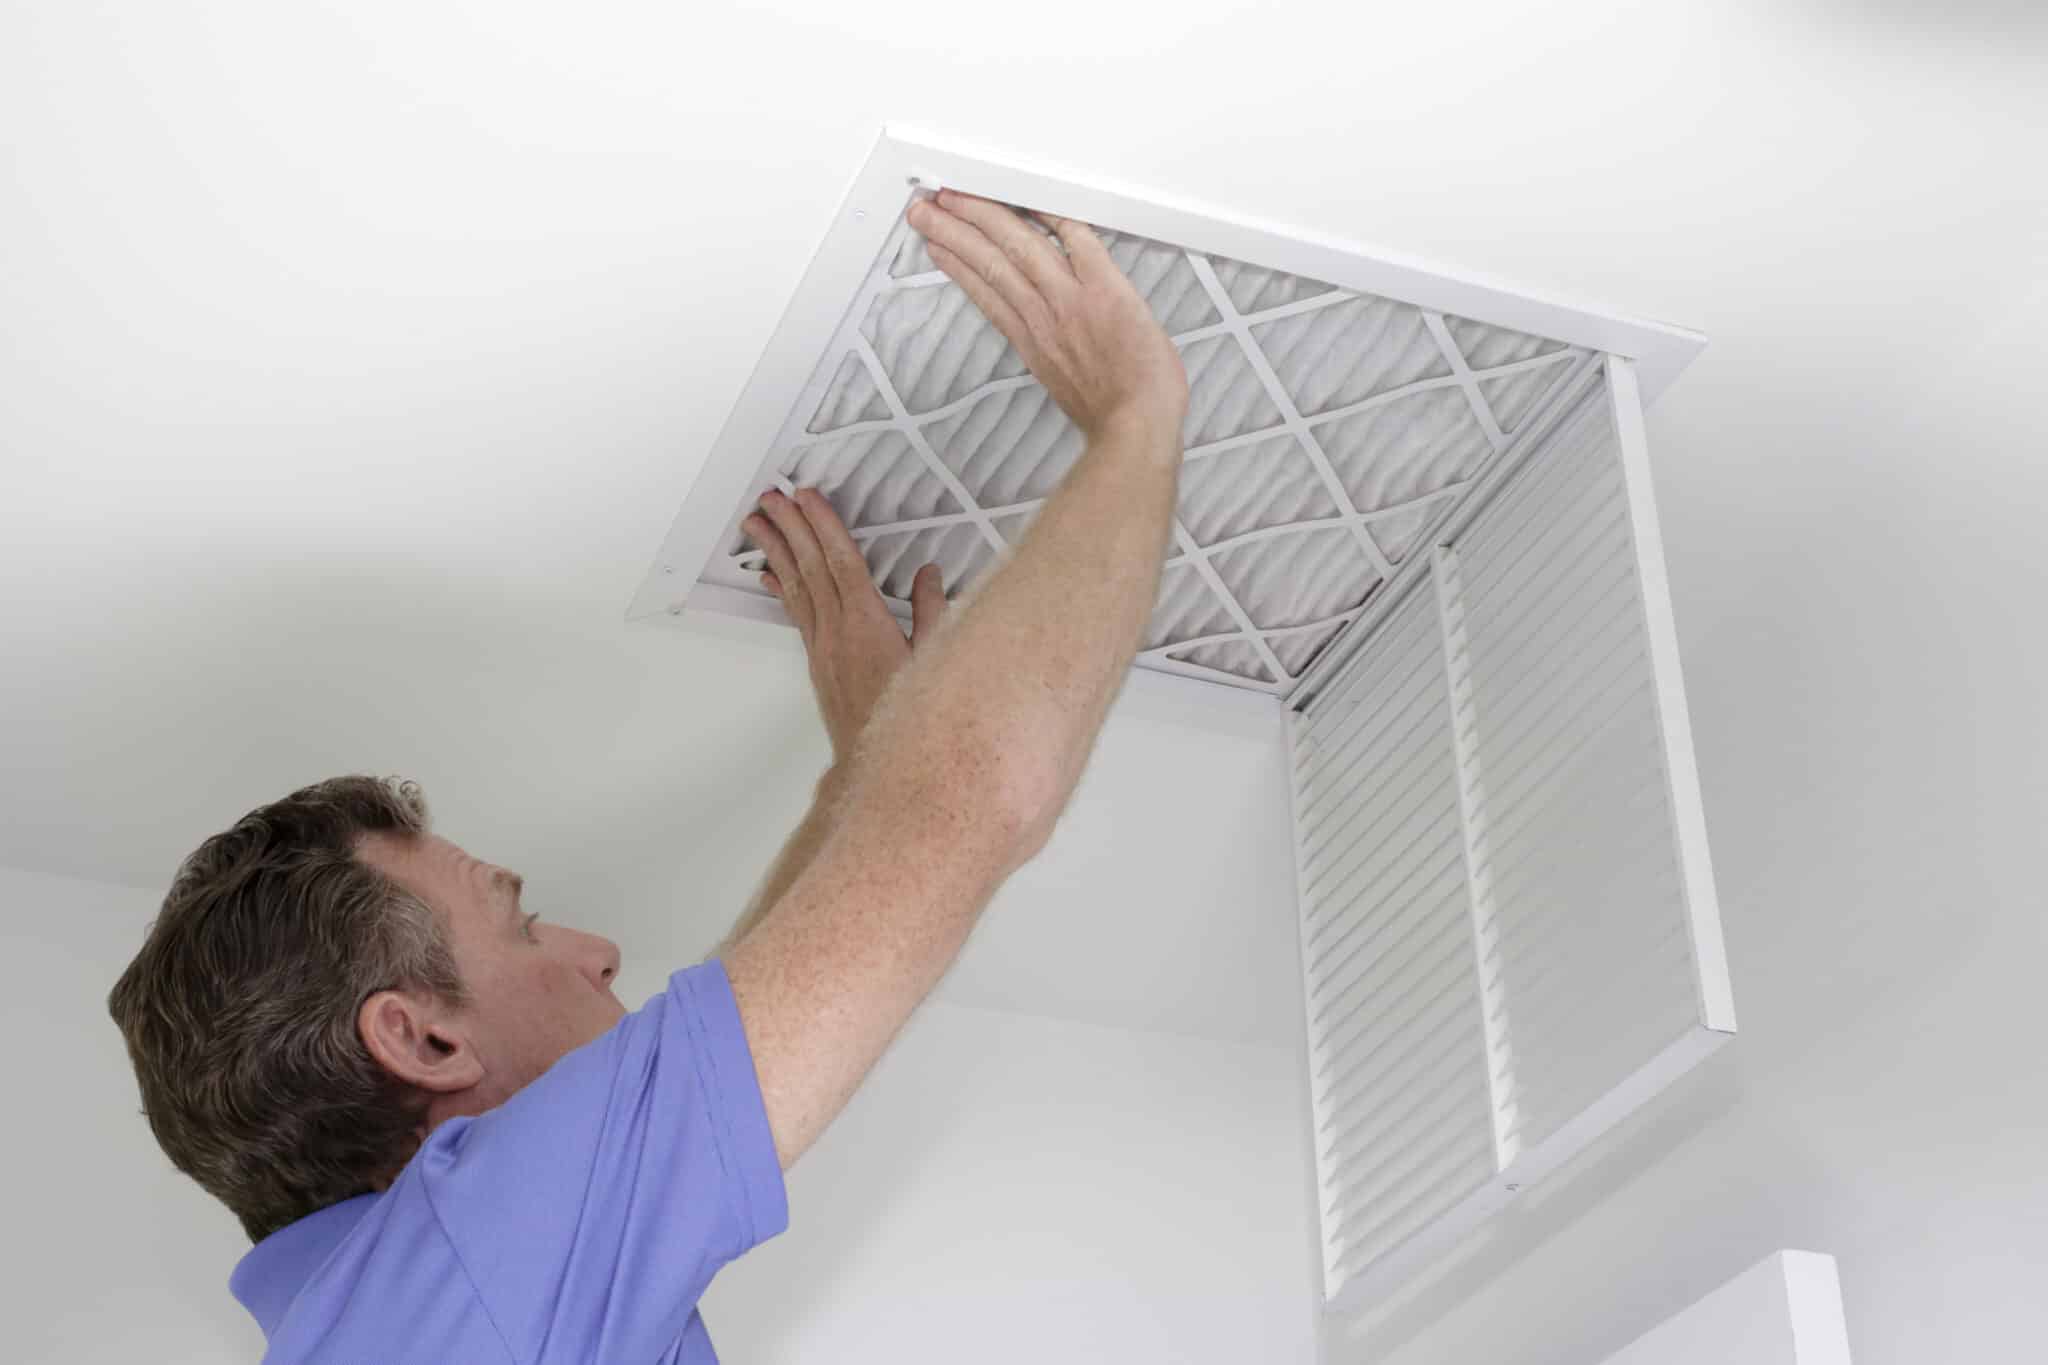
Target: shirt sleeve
(591, 1210)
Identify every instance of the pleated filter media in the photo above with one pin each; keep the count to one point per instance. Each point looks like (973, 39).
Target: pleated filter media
(1326, 430)
(1414, 514)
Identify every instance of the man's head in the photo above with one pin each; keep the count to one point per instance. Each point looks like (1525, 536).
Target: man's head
(326, 982)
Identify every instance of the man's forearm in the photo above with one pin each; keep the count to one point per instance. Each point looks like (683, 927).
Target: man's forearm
(957, 778)
(1041, 651)
(1002, 708)
(1035, 660)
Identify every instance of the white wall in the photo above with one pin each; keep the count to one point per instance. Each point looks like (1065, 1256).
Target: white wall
(1101, 1193)
(1018, 1189)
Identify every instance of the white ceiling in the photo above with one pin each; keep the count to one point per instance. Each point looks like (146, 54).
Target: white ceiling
(354, 360)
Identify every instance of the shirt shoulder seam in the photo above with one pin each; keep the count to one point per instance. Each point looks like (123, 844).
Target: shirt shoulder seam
(476, 1292)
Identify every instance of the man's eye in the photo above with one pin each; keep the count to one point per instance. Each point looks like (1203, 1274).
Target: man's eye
(529, 925)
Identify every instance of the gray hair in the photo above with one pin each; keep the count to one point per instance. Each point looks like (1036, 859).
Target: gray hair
(240, 1010)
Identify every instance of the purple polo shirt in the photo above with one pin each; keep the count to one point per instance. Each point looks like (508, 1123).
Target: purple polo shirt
(578, 1221)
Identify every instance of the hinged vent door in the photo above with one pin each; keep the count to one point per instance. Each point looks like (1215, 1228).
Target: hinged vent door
(1508, 927)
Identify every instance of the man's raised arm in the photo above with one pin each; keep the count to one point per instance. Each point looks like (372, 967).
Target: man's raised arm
(978, 741)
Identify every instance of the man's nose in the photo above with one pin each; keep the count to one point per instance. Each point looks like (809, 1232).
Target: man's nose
(600, 960)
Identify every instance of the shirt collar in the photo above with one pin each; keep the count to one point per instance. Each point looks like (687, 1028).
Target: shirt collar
(270, 1276)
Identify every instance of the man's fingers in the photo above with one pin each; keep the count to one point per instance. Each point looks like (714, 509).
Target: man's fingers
(783, 578)
(849, 567)
(984, 270)
(1039, 260)
(992, 304)
(1086, 251)
(927, 602)
(804, 549)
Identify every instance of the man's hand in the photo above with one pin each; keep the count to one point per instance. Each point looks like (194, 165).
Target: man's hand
(855, 645)
(1086, 333)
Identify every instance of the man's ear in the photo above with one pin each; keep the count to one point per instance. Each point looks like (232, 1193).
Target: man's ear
(413, 1039)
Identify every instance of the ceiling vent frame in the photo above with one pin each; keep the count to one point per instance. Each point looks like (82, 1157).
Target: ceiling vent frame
(903, 163)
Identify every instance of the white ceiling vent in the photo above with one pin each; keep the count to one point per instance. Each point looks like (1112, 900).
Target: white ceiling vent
(1415, 515)
(1340, 404)
(1326, 429)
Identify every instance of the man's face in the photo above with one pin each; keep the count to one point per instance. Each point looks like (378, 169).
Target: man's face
(537, 990)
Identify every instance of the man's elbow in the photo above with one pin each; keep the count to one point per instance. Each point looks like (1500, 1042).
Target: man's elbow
(1029, 807)
(1015, 795)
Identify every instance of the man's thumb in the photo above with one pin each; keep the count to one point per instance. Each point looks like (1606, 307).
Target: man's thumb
(927, 601)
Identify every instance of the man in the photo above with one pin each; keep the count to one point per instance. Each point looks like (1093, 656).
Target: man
(445, 1134)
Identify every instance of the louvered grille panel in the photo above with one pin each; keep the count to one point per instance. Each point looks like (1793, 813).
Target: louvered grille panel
(1593, 973)
(1499, 934)
(1397, 1052)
